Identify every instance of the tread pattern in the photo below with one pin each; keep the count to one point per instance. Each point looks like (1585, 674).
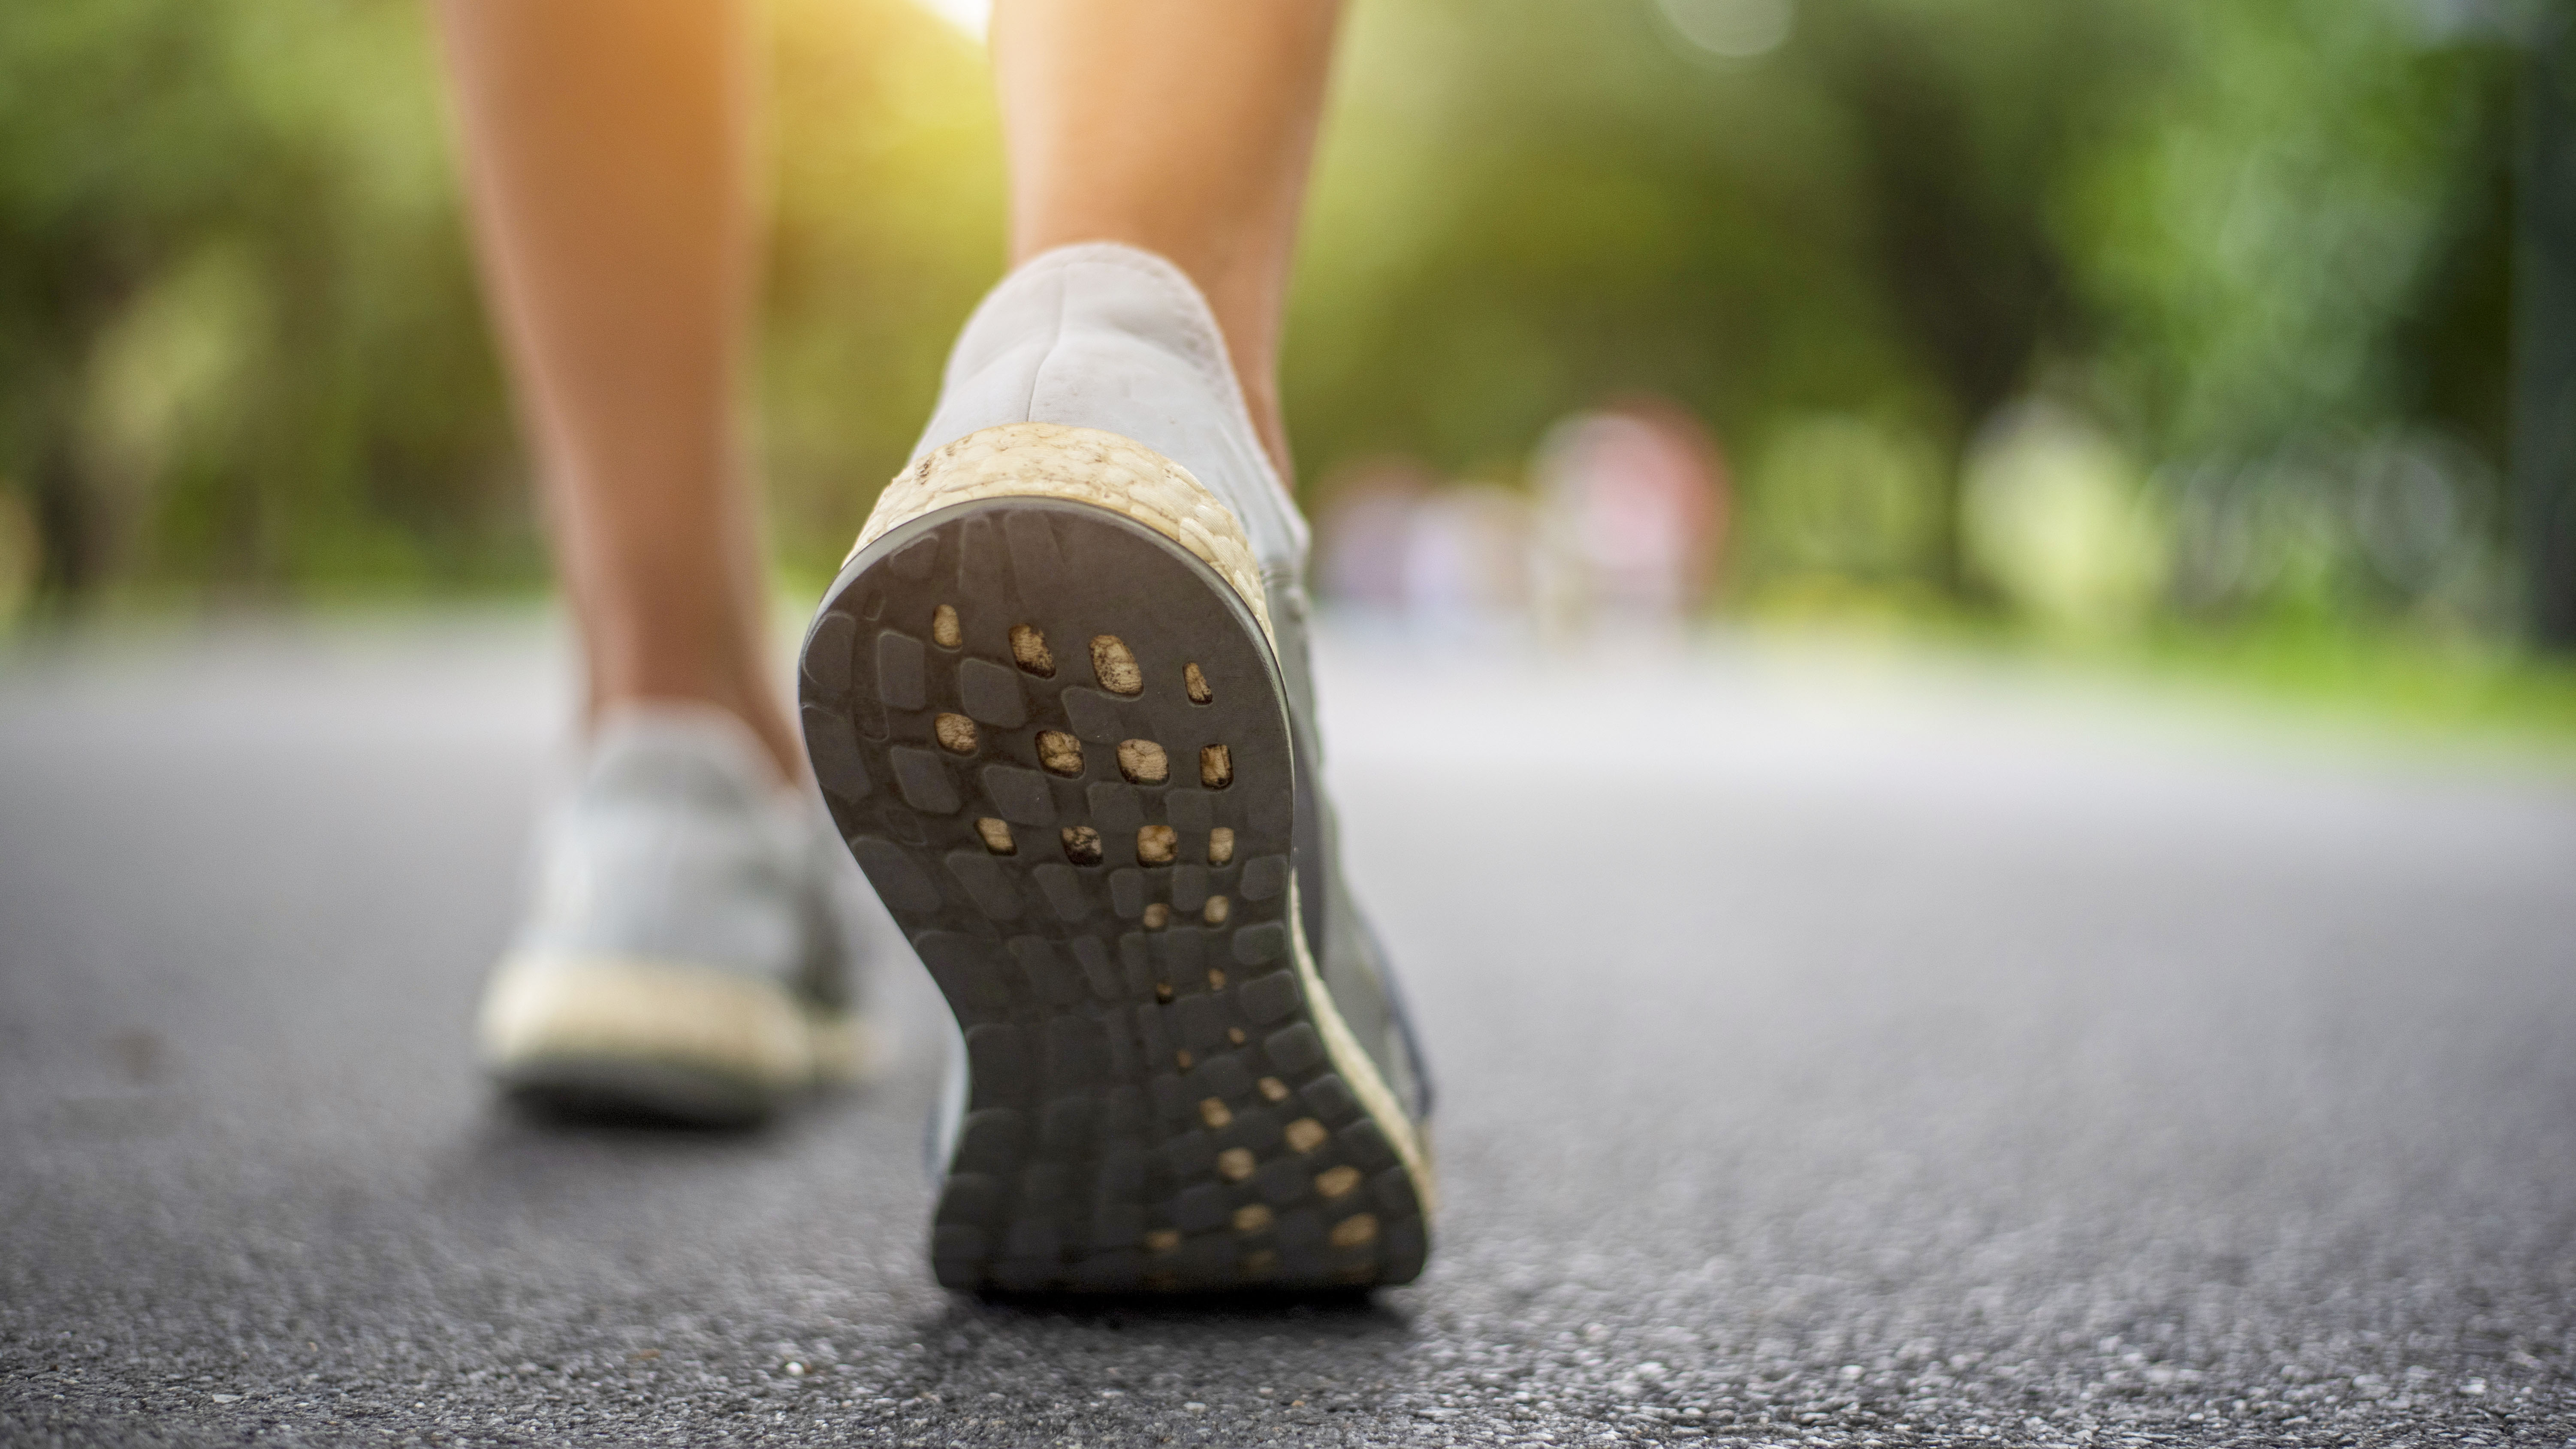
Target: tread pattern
(1151, 1104)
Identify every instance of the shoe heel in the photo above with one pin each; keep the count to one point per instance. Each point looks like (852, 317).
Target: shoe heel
(1077, 465)
(1045, 708)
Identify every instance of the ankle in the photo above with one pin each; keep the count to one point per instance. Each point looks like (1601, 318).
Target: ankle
(781, 747)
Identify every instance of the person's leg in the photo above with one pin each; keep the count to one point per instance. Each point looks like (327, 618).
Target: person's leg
(1178, 126)
(685, 952)
(609, 158)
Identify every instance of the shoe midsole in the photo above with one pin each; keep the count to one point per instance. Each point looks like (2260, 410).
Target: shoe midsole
(546, 1006)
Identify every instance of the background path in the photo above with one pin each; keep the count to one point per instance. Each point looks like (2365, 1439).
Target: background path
(1898, 1054)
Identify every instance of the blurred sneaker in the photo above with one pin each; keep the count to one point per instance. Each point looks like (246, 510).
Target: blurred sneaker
(688, 952)
(1059, 704)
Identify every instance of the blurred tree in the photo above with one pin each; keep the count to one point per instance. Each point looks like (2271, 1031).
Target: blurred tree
(1528, 207)
(2544, 453)
(240, 341)
(240, 347)
(1974, 114)
(237, 337)
(2224, 230)
(2259, 230)
(2294, 250)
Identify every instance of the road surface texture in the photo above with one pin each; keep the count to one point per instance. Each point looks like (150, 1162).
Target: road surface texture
(1831, 1053)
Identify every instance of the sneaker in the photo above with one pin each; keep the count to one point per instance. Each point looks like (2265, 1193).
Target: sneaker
(688, 952)
(1059, 705)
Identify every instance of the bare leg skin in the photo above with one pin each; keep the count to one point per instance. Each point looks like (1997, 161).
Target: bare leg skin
(609, 160)
(1181, 126)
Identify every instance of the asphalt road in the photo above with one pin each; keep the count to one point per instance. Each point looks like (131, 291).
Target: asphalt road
(1831, 1052)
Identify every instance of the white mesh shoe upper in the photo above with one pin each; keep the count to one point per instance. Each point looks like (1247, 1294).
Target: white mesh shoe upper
(1103, 335)
(677, 845)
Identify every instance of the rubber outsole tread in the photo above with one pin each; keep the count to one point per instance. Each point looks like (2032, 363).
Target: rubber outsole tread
(1142, 1064)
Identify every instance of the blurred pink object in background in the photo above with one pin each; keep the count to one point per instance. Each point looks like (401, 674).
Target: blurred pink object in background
(1364, 531)
(1621, 532)
(1403, 543)
(1634, 502)
(1467, 560)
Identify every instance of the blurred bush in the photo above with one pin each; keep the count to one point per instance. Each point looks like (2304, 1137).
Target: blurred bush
(2264, 243)
(237, 340)
(2054, 517)
(2084, 311)
(241, 351)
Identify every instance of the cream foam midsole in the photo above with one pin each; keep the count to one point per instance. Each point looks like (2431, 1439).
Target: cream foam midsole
(544, 1006)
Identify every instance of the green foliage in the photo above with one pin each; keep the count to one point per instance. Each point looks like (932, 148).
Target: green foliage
(240, 346)
(2253, 247)
(240, 343)
(887, 227)
(2259, 229)
(1529, 207)
(2229, 232)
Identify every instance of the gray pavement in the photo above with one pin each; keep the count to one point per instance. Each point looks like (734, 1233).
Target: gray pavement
(1832, 1051)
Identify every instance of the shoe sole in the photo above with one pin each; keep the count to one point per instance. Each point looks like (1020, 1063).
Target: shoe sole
(1044, 710)
(620, 1037)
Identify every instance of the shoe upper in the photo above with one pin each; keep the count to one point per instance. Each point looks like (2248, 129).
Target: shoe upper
(1348, 954)
(676, 844)
(1106, 336)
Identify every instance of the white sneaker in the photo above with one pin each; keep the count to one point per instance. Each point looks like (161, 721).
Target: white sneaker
(688, 950)
(1058, 703)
